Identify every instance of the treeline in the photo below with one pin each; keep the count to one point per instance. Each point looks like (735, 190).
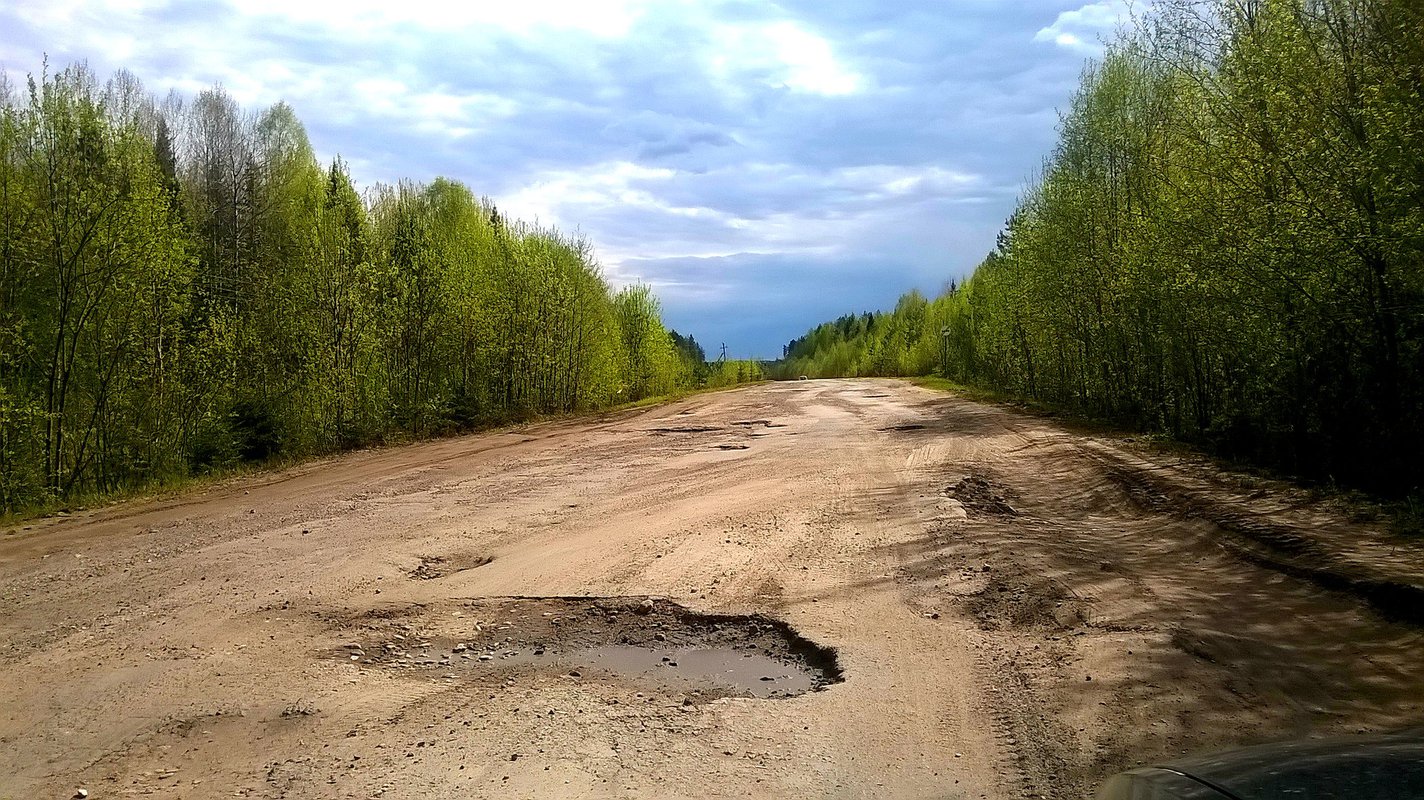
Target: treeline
(184, 287)
(732, 372)
(720, 373)
(906, 341)
(1226, 245)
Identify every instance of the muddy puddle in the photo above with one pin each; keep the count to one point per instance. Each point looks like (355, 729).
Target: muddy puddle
(650, 644)
(733, 671)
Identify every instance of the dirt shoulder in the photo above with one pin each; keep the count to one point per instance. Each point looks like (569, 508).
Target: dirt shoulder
(945, 598)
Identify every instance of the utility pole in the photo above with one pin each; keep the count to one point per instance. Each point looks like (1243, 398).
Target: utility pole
(723, 357)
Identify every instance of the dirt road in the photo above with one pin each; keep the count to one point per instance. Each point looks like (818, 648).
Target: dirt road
(947, 599)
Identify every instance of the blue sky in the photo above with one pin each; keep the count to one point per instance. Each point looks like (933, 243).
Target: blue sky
(764, 165)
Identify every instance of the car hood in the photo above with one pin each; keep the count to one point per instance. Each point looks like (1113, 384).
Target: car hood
(1360, 768)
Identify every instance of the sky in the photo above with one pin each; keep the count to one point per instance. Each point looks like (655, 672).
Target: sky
(765, 166)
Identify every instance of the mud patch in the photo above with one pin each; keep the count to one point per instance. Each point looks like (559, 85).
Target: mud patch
(432, 567)
(651, 643)
(1021, 602)
(978, 494)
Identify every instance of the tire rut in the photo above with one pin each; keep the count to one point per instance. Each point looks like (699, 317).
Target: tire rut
(1268, 545)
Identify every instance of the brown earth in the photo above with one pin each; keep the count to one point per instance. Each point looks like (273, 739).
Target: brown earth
(1013, 609)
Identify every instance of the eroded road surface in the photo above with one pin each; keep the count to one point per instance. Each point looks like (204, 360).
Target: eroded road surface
(849, 588)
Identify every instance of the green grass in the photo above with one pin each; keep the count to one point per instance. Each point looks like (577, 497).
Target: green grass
(156, 489)
(1407, 516)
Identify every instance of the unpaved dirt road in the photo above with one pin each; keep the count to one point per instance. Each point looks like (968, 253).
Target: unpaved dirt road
(1016, 609)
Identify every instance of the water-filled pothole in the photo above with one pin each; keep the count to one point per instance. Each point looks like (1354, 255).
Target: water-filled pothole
(740, 672)
(651, 643)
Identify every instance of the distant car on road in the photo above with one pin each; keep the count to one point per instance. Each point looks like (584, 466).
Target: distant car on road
(1388, 767)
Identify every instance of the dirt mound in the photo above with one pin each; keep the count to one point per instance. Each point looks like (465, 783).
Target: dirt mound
(1020, 602)
(978, 494)
(432, 567)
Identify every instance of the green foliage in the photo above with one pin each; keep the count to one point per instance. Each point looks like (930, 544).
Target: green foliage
(177, 304)
(651, 359)
(733, 372)
(903, 342)
(1227, 246)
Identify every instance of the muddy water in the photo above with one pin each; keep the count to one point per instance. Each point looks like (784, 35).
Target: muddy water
(737, 671)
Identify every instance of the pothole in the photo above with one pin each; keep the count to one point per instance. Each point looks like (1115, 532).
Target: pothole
(752, 423)
(733, 447)
(910, 426)
(684, 429)
(432, 567)
(653, 644)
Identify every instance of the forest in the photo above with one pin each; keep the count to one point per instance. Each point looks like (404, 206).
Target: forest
(1225, 246)
(184, 288)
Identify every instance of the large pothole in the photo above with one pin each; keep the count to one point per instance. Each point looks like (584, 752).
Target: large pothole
(648, 642)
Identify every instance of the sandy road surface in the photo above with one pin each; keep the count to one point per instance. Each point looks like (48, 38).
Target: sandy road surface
(1017, 609)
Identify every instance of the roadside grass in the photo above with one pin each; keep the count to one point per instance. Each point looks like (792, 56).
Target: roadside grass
(160, 488)
(1404, 517)
(1407, 516)
(168, 487)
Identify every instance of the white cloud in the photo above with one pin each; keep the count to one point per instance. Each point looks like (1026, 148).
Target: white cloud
(782, 54)
(637, 212)
(439, 112)
(606, 18)
(602, 186)
(1083, 29)
(810, 65)
(884, 181)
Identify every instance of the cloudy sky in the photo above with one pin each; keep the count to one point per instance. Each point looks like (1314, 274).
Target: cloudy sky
(764, 165)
